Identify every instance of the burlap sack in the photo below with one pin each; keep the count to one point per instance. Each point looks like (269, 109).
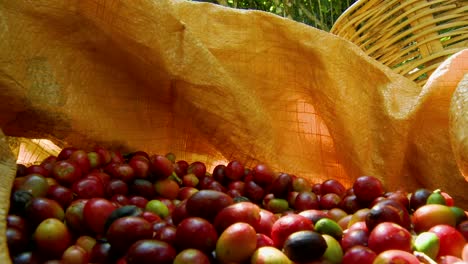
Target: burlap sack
(213, 84)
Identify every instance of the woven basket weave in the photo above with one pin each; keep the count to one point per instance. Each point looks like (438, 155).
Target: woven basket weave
(410, 36)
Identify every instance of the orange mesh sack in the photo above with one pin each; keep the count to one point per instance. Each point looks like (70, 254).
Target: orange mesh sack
(215, 84)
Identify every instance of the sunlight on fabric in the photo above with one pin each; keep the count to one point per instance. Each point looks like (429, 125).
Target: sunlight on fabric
(31, 151)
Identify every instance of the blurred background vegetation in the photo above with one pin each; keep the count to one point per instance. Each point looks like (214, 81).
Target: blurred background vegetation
(321, 14)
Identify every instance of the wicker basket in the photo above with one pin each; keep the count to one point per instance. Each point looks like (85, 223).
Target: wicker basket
(410, 36)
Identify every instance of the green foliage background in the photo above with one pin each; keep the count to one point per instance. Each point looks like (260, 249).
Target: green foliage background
(321, 14)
